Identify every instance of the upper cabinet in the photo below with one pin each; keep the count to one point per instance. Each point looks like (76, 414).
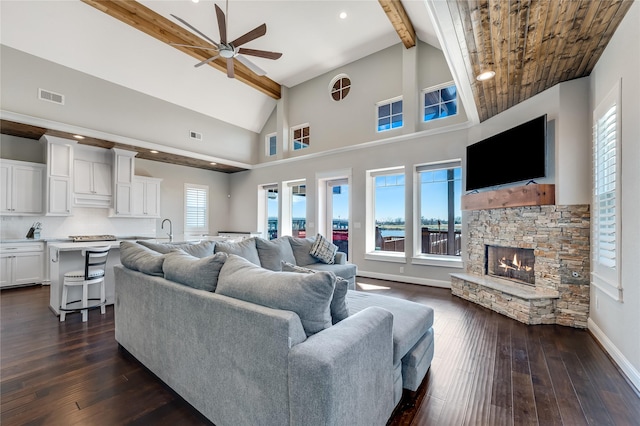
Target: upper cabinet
(92, 181)
(22, 188)
(146, 196)
(123, 168)
(59, 175)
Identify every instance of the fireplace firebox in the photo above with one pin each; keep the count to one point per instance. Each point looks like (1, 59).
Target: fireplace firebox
(512, 263)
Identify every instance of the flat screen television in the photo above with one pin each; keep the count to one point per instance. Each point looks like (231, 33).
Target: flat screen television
(515, 155)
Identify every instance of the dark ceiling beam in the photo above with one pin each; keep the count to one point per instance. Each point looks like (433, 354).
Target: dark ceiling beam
(400, 21)
(149, 22)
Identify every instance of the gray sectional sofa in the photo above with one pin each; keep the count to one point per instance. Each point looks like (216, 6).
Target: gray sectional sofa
(247, 344)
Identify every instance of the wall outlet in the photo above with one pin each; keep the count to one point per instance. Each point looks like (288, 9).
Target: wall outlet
(356, 225)
(402, 269)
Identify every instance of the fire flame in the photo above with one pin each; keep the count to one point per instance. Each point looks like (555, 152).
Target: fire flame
(515, 264)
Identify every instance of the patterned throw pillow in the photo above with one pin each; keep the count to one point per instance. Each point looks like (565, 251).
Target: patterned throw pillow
(323, 250)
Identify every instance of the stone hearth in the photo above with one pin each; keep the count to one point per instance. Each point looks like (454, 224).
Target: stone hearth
(559, 236)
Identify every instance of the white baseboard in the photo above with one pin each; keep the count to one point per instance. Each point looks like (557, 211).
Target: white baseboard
(623, 363)
(405, 279)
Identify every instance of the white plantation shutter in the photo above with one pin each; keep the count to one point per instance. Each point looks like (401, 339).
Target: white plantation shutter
(606, 188)
(196, 215)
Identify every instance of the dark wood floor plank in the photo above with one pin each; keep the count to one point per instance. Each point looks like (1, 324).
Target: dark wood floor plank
(487, 370)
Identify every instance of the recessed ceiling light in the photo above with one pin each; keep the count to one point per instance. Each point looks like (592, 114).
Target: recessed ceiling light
(195, 1)
(213, 164)
(343, 15)
(487, 75)
(153, 151)
(78, 137)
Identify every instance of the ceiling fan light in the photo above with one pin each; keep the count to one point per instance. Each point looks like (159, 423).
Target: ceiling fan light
(487, 75)
(343, 15)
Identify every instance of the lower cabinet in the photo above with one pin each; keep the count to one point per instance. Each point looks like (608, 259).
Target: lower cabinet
(21, 263)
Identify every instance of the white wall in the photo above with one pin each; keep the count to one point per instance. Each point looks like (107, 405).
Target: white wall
(375, 78)
(617, 324)
(96, 104)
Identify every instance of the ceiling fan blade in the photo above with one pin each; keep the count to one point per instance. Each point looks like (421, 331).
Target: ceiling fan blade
(260, 53)
(253, 67)
(194, 47)
(251, 35)
(206, 61)
(196, 30)
(230, 67)
(222, 25)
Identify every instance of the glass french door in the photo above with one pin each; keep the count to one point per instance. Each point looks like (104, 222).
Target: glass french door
(338, 213)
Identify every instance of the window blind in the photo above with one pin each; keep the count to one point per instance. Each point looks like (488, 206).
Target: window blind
(196, 217)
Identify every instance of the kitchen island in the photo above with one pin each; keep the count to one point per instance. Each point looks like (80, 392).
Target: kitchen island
(65, 257)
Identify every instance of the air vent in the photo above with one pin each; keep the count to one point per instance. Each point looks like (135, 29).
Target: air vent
(195, 135)
(47, 95)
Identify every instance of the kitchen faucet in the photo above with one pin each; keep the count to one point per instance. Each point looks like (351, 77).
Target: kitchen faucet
(170, 234)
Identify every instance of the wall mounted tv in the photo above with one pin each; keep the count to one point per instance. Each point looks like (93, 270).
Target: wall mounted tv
(515, 155)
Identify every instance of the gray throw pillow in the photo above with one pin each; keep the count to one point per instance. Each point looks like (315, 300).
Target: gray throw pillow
(273, 252)
(140, 258)
(194, 272)
(338, 307)
(323, 250)
(245, 248)
(201, 249)
(301, 248)
(308, 295)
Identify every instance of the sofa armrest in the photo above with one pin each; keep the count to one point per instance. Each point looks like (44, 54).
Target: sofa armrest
(340, 258)
(344, 374)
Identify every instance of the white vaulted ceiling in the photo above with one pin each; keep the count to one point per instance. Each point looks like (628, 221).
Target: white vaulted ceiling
(309, 33)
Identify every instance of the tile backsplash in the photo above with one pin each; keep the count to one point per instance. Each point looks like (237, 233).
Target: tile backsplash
(85, 221)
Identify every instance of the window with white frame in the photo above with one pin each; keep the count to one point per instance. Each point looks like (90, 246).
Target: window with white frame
(271, 145)
(300, 138)
(388, 210)
(196, 208)
(389, 114)
(439, 102)
(440, 218)
(298, 199)
(605, 232)
(271, 212)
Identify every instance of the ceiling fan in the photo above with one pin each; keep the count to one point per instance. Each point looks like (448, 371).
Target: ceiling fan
(231, 50)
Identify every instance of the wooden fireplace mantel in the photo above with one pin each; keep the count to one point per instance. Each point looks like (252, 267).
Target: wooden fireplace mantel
(535, 194)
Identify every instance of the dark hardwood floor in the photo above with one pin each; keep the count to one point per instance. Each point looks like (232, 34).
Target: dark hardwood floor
(487, 370)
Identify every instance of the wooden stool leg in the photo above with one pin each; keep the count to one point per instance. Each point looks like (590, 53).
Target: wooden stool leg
(85, 302)
(63, 305)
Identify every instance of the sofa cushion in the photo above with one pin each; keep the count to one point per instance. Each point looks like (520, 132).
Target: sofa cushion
(245, 248)
(410, 320)
(338, 307)
(323, 249)
(301, 248)
(201, 249)
(345, 270)
(308, 295)
(200, 273)
(272, 253)
(140, 258)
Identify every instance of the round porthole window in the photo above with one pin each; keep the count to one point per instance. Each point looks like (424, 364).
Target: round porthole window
(339, 87)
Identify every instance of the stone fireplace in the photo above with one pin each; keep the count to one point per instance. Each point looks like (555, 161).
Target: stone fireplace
(529, 263)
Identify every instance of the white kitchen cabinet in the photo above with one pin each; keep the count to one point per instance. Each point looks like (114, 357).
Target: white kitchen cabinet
(123, 169)
(22, 188)
(146, 196)
(59, 175)
(21, 263)
(92, 184)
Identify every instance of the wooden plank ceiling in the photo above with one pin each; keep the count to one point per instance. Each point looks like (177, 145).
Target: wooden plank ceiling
(531, 45)
(28, 131)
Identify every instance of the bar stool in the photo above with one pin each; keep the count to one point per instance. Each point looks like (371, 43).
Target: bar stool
(95, 259)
